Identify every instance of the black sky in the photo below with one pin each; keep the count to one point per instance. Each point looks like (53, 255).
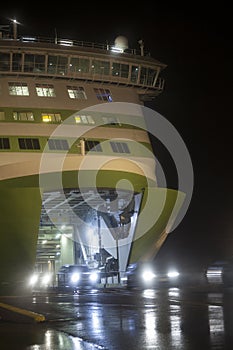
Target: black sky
(196, 44)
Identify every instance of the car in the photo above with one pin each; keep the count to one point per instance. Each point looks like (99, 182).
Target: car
(144, 275)
(140, 275)
(41, 280)
(220, 272)
(77, 276)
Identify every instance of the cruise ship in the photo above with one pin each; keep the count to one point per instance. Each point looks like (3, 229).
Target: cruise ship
(77, 168)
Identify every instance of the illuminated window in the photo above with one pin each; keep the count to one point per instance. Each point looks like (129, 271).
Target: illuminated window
(91, 145)
(51, 117)
(103, 94)
(83, 119)
(4, 143)
(28, 143)
(18, 89)
(57, 144)
(23, 116)
(76, 92)
(119, 147)
(45, 90)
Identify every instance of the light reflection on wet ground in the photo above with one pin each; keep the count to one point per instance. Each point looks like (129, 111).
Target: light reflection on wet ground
(118, 319)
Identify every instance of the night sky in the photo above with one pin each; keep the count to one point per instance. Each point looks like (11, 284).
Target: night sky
(196, 44)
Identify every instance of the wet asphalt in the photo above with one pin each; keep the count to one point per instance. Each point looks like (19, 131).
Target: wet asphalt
(163, 318)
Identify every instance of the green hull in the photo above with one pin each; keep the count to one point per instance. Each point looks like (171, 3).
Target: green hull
(159, 209)
(19, 221)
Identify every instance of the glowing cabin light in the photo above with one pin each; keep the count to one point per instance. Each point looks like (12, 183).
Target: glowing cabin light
(28, 38)
(46, 118)
(65, 42)
(116, 49)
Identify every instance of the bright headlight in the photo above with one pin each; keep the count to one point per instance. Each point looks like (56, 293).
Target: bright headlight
(94, 276)
(172, 274)
(33, 279)
(75, 277)
(46, 279)
(148, 275)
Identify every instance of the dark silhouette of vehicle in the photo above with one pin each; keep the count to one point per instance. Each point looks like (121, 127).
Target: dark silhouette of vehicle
(140, 275)
(144, 275)
(77, 276)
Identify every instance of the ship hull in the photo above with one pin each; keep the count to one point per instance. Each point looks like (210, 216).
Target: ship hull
(77, 169)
